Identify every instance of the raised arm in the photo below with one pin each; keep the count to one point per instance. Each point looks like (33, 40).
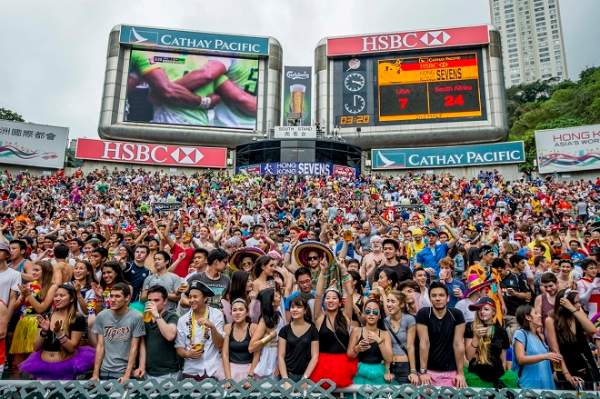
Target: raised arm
(320, 290)
(347, 284)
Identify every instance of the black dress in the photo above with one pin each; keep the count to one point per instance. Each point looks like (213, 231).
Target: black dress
(579, 359)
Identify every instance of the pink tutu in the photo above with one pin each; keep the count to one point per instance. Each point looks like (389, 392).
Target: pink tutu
(81, 362)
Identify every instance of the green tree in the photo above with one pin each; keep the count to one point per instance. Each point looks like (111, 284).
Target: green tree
(9, 115)
(552, 105)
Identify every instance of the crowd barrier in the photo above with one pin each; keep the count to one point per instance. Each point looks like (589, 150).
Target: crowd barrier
(266, 388)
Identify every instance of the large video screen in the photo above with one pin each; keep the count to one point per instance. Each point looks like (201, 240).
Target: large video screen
(422, 88)
(190, 89)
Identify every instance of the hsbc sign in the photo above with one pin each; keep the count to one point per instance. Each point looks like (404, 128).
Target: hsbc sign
(402, 41)
(151, 154)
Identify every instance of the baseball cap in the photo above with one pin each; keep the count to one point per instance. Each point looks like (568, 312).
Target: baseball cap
(481, 302)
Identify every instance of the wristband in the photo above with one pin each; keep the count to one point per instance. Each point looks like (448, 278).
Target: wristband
(413, 371)
(423, 371)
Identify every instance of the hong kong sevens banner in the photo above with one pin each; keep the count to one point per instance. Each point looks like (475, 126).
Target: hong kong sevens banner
(299, 169)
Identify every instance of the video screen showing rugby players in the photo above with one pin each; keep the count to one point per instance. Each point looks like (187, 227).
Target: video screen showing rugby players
(191, 89)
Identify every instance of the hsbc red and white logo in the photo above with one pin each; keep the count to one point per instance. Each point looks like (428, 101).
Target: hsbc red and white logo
(151, 154)
(436, 38)
(402, 41)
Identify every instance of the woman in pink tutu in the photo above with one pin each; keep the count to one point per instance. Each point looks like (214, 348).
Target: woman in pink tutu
(58, 355)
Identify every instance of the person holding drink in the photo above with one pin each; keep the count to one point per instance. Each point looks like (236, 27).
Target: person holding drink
(158, 357)
(455, 286)
(200, 335)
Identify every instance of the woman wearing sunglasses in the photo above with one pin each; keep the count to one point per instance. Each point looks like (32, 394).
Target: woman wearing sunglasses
(372, 346)
(568, 330)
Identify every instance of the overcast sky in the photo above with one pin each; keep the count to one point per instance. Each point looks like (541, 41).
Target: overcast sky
(54, 52)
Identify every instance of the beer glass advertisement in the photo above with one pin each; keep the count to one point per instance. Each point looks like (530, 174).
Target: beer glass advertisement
(297, 95)
(191, 89)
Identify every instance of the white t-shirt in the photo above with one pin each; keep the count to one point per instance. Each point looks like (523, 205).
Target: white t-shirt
(9, 280)
(463, 306)
(210, 362)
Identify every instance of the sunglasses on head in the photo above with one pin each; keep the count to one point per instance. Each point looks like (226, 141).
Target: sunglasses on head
(374, 312)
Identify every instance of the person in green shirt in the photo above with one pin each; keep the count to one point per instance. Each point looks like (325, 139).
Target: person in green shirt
(238, 88)
(182, 85)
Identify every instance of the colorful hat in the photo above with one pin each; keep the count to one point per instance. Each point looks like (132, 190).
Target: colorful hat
(304, 248)
(476, 284)
(236, 258)
(275, 255)
(417, 232)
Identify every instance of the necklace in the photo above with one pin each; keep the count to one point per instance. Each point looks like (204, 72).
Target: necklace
(194, 323)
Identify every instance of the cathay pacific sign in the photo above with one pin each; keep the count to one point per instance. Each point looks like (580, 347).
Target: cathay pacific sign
(448, 157)
(152, 37)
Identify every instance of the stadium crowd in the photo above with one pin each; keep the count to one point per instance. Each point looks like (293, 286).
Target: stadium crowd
(421, 279)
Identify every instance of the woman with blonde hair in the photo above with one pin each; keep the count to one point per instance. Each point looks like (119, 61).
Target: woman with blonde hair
(36, 298)
(485, 347)
(402, 329)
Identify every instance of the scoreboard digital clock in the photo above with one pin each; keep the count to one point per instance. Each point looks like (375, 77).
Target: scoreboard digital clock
(413, 88)
(377, 90)
(429, 87)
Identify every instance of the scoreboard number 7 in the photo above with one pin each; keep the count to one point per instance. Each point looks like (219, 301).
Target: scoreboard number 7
(403, 101)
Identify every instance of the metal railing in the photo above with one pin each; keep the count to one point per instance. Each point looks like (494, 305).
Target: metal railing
(265, 388)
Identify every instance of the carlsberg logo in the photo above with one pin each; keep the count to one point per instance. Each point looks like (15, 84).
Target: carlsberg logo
(295, 75)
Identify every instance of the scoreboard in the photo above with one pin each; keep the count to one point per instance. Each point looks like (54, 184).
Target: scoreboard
(426, 87)
(430, 87)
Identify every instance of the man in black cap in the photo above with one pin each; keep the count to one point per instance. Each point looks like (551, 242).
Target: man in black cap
(200, 335)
